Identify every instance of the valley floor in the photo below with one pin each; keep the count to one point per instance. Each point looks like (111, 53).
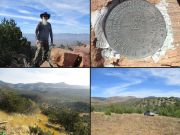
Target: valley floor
(133, 124)
(18, 124)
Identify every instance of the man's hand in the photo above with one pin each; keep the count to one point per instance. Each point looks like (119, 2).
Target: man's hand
(37, 41)
(52, 44)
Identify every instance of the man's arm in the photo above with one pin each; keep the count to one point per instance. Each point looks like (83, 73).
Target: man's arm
(51, 34)
(37, 31)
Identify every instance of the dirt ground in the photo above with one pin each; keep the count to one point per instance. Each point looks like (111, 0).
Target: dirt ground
(133, 124)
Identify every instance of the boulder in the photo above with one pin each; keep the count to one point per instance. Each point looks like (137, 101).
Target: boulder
(45, 64)
(82, 49)
(84, 52)
(64, 58)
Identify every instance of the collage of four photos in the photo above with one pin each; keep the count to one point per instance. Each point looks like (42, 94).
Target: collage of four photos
(90, 67)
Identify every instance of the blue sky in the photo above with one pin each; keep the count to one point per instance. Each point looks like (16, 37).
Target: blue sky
(139, 82)
(67, 16)
(74, 76)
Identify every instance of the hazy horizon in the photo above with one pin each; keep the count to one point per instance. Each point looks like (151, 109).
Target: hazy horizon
(74, 76)
(63, 38)
(40, 82)
(135, 96)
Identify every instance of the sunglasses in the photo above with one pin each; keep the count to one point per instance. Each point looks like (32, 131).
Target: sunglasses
(45, 16)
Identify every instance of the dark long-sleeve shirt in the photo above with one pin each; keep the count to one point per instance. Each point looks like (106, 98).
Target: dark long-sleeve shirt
(43, 32)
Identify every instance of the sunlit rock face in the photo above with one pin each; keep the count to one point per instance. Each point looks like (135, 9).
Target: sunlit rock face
(78, 56)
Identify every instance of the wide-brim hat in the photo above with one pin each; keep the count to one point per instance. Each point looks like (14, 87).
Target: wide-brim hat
(45, 14)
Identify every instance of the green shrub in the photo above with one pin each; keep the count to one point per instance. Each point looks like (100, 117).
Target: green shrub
(162, 106)
(38, 131)
(92, 108)
(177, 113)
(65, 117)
(2, 133)
(11, 101)
(12, 43)
(108, 112)
(71, 120)
(81, 128)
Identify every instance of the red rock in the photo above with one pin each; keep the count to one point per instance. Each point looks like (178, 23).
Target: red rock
(85, 60)
(96, 57)
(82, 49)
(63, 58)
(154, 1)
(98, 4)
(84, 52)
(176, 64)
(45, 64)
(173, 53)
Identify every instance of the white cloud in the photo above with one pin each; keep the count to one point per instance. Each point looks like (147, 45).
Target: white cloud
(130, 74)
(23, 11)
(32, 18)
(73, 76)
(20, 16)
(64, 13)
(146, 92)
(165, 82)
(171, 75)
(94, 87)
(116, 89)
(80, 6)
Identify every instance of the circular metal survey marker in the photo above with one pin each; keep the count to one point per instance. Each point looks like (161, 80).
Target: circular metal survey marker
(135, 28)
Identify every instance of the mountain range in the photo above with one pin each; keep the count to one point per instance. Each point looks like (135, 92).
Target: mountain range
(134, 101)
(56, 92)
(41, 86)
(116, 99)
(63, 38)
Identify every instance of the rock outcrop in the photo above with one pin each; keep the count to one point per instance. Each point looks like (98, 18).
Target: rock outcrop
(84, 52)
(78, 56)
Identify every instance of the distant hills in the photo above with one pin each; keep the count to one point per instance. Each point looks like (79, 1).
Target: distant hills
(111, 100)
(167, 106)
(41, 86)
(63, 38)
(52, 92)
(147, 101)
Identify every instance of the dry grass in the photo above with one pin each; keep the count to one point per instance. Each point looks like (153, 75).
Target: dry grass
(18, 120)
(133, 124)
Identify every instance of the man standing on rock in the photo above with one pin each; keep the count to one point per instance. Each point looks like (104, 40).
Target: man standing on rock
(43, 30)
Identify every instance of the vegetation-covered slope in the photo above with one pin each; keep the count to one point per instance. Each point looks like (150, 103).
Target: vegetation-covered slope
(74, 117)
(160, 105)
(59, 95)
(11, 101)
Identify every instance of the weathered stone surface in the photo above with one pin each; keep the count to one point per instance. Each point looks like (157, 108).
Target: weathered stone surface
(154, 1)
(63, 58)
(82, 49)
(79, 56)
(171, 56)
(84, 52)
(135, 28)
(45, 64)
(98, 4)
(96, 57)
